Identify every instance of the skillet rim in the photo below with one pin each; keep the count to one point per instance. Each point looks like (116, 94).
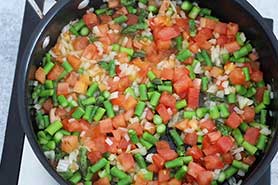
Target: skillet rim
(23, 79)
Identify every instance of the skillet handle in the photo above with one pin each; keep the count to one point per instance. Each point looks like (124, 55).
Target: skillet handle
(14, 136)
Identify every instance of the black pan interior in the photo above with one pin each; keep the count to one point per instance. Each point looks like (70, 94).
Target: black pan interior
(238, 11)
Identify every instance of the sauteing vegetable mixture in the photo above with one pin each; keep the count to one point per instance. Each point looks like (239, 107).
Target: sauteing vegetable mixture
(164, 93)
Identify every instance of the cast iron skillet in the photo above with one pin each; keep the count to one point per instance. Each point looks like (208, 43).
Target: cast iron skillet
(239, 11)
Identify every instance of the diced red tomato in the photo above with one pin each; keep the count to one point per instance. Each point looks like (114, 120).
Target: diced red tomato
(237, 77)
(137, 127)
(222, 40)
(182, 125)
(132, 19)
(251, 135)
(208, 124)
(47, 105)
(256, 76)
(194, 169)
(104, 180)
(162, 111)
(208, 23)
(158, 161)
(214, 136)
(227, 158)
(168, 100)
(163, 44)
(75, 126)
(162, 145)
(174, 181)
(204, 178)
(40, 75)
(225, 144)
(182, 23)
(94, 156)
(74, 61)
(55, 72)
(90, 51)
(119, 121)
(180, 73)
(163, 175)
(127, 161)
(195, 152)
(168, 155)
(234, 120)
(80, 43)
(149, 127)
(62, 88)
(211, 149)
(191, 138)
(232, 29)
(248, 114)
(203, 35)
(106, 126)
(72, 79)
(259, 94)
(149, 115)
(249, 159)
(90, 20)
(167, 74)
(220, 28)
(232, 46)
(153, 168)
(168, 33)
(123, 144)
(213, 162)
(69, 143)
(193, 98)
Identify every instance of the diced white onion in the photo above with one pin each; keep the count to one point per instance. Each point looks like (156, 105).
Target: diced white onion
(265, 131)
(108, 141)
(149, 158)
(114, 95)
(63, 165)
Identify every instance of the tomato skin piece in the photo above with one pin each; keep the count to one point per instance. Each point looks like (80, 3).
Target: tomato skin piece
(168, 33)
(69, 143)
(248, 114)
(251, 135)
(234, 120)
(127, 161)
(213, 162)
(193, 98)
(106, 126)
(259, 94)
(194, 169)
(195, 152)
(225, 144)
(204, 178)
(191, 139)
(163, 175)
(227, 158)
(162, 111)
(237, 77)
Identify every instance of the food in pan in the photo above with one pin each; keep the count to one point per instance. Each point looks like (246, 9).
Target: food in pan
(164, 93)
